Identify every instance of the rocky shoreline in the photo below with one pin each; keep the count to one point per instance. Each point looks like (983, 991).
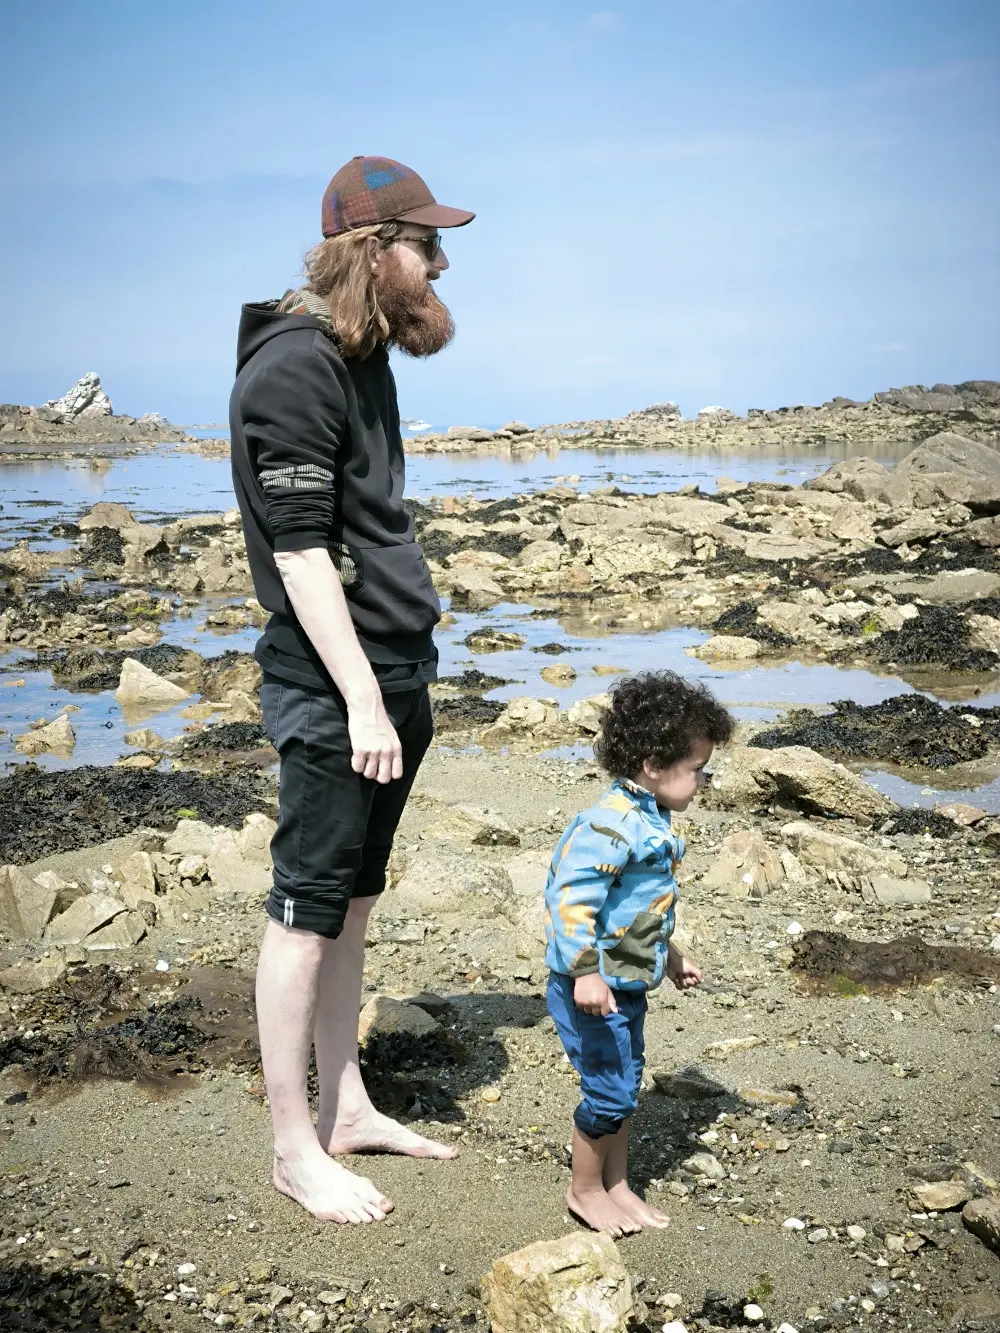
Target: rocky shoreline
(820, 1121)
(890, 419)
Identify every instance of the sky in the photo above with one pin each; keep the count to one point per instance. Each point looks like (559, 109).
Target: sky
(745, 203)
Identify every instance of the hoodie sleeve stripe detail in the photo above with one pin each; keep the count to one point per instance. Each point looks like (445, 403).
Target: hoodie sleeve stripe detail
(297, 477)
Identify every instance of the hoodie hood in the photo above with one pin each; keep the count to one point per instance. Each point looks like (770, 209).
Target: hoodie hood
(260, 321)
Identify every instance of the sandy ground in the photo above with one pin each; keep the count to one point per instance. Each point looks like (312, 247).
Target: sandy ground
(892, 1084)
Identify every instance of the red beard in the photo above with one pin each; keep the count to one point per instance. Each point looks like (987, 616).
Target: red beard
(418, 322)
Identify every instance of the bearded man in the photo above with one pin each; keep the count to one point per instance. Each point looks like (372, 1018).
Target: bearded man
(348, 652)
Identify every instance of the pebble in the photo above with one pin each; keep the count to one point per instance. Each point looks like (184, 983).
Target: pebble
(867, 1305)
(794, 1224)
(879, 1289)
(675, 1326)
(793, 928)
(753, 1314)
(855, 1232)
(787, 1328)
(818, 1235)
(490, 1094)
(185, 1270)
(671, 1299)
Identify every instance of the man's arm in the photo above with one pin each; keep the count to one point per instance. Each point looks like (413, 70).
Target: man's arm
(317, 596)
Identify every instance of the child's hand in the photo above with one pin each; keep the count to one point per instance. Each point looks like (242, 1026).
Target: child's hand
(683, 972)
(594, 996)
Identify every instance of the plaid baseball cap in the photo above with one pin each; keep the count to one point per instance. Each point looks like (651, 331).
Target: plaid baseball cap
(367, 190)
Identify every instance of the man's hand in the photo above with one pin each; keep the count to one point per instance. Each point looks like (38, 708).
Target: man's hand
(376, 752)
(594, 996)
(683, 972)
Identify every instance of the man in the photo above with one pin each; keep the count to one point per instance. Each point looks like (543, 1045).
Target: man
(348, 652)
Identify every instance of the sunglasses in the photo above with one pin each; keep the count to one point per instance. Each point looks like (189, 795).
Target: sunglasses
(430, 245)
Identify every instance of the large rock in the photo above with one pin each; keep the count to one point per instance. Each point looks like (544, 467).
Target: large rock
(232, 872)
(474, 589)
(58, 736)
(587, 715)
(746, 866)
(887, 891)
(982, 1218)
(138, 880)
(748, 777)
(383, 1016)
(107, 514)
(954, 468)
(84, 401)
(26, 906)
(83, 917)
(124, 931)
(823, 850)
(864, 479)
(577, 1284)
(30, 977)
(137, 686)
(727, 648)
(437, 883)
(191, 837)
(483, 828)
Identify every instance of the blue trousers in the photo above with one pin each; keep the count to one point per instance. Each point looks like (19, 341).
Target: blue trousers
(607, 1053)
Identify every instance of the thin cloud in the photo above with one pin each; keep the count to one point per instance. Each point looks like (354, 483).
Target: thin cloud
(604, 21)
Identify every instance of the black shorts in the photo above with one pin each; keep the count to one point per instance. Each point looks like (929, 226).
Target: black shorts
(335, 827)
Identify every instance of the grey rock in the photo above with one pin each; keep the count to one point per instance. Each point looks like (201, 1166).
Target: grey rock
(26, 906)
(83, 917)
(890, 892)
(85, 400)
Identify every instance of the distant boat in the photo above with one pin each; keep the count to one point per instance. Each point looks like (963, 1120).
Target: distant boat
(413, 424)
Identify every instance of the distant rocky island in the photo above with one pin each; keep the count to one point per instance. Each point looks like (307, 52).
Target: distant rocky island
(894, 417)
(83, 416)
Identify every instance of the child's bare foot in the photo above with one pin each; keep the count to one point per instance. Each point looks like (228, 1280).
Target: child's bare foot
(374, 1132)
(601, 1212)
(636, 1208)
(329, 1191)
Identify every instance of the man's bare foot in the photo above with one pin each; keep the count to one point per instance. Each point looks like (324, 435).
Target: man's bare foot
(637, 1208)
(328, 1190)
(600, 1212)
(374, 1132)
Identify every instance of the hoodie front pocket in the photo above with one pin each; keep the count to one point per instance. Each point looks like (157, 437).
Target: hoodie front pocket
(634, 957)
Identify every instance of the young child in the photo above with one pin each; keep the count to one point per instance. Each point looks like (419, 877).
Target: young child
(609, 915)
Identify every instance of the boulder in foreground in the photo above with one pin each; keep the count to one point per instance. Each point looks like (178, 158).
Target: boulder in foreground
(577, 1284)
(748, 777)
(138, 685)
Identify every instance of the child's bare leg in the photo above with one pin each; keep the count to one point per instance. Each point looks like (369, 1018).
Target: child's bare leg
(615, 1177)
(586, 1196)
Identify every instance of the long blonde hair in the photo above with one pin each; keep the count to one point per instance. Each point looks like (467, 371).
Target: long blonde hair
(339, 270)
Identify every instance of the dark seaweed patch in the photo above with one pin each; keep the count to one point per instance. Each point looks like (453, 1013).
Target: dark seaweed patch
(466, 710)
(741, 620)
(938, 636)
(42, 811)
(906, 729)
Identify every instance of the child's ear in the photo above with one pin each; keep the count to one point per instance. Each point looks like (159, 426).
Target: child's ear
(651, 770)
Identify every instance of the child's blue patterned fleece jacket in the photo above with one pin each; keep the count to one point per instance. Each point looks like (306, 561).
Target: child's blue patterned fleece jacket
(609, 900)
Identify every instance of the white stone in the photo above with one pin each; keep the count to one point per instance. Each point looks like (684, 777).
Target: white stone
(854, 1232)
(794, 1224)
(752, 1313)
(138, 685)
(57, 735)
(85, 399)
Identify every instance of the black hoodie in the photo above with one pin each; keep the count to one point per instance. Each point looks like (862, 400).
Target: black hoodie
(317, 461)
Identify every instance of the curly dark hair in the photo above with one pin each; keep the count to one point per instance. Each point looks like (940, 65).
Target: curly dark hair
(660, 716)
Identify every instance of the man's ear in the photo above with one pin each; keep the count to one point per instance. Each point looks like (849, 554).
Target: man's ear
(372, 251)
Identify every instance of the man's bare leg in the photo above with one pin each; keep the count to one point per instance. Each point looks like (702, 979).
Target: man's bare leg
(615, 1178)
(587, 1196)
(347, 1121)
(287, 989)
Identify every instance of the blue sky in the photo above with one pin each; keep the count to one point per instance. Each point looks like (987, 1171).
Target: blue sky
(741, 202)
